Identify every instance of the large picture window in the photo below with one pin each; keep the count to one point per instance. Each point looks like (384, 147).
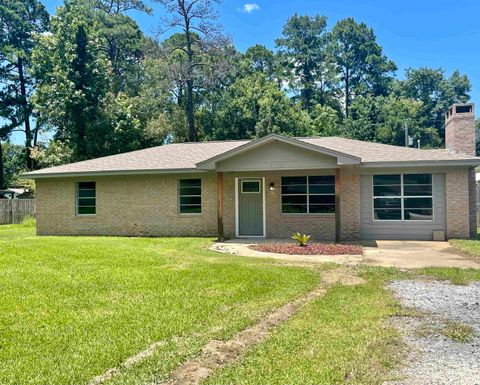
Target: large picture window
(190, 196)
(402, 197)
(308, 194)
(86, 198)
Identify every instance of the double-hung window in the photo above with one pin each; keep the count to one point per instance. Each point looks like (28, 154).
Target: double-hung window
(190, 196)
(308, 194)
(86, 198)
(403, 197)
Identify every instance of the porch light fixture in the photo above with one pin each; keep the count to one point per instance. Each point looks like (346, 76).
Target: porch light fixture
(272, 187)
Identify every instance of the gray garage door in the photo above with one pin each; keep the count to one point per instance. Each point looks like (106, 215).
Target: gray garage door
(401, 229)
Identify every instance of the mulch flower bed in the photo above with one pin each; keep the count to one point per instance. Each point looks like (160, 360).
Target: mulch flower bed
(310, 249)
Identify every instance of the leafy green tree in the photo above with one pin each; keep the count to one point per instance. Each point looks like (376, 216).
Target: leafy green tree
(325, 121)
(122, 6)
(13, 160)
(2, 171)
(160, 103)
(436, 92)
(74, 81)
(5, 131)
(21, 21)
(200, 39)
(261, 59)
(213, 73)
(362, 66)
(53, 153)
(254, 107)
(121, 40)
(382, 119)
(308, 67)
(125, 133)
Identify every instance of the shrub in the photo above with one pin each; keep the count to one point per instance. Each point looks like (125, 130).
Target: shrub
(302, 239)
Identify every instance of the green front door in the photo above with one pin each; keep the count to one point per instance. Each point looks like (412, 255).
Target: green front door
(250, 207)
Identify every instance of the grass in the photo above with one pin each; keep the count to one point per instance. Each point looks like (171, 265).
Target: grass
(468, 246)
(341, 338)
(454, 275)
(458, 331)
(73, 307)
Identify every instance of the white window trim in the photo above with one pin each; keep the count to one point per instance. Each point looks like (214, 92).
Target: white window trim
(308, 198)
(402, 197)
(77, 197)
(179, 195)
(251, 181)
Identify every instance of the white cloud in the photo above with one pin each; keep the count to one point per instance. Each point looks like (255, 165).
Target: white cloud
(250, 7)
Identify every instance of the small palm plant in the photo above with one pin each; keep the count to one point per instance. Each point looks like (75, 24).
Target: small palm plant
(302, 239)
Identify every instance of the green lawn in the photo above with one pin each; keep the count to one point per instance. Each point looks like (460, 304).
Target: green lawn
(471, 247)
(73, 307)
(338, 339)
(342, 338)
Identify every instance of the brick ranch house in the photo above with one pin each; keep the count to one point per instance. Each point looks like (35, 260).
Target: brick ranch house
(332, 188)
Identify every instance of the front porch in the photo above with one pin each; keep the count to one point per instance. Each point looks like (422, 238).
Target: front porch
(334, 215)
(275, 186)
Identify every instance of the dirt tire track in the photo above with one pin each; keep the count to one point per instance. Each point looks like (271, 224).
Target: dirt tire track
(217, 354)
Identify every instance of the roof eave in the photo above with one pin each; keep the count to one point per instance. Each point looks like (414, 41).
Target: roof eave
(423, 163)
(36, 176)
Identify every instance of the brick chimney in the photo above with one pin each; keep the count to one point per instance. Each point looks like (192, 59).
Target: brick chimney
(460, 137)
(460, 129)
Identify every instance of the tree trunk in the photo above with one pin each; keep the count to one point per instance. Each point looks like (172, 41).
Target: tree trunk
(192, 132)
(347, 92)
(1, 167)
(307, 92)
(81, 80)
(26, 114)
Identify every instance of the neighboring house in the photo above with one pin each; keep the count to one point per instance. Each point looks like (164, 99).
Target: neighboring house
(330, 187)
(15, 193)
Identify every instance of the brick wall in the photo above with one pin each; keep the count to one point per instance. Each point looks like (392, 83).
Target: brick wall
(472, 191)
(126, 206)
(148, 206)
(458, 198)
(349, 203)
(320, 227)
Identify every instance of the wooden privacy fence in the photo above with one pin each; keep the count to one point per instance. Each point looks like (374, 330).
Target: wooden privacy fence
(15, 210)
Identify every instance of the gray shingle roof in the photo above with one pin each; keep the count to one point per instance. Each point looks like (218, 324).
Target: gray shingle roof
(177, 156)
(371, 152)
(185, 156)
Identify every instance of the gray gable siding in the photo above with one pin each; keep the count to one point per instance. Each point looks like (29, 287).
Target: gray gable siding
(277, 156)
(416, 230)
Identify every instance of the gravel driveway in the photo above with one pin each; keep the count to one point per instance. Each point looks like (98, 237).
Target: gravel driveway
(433, 358)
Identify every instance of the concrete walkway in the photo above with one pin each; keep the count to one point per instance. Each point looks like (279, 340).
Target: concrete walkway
(240, 247)
(400, 254)
(417, 254)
